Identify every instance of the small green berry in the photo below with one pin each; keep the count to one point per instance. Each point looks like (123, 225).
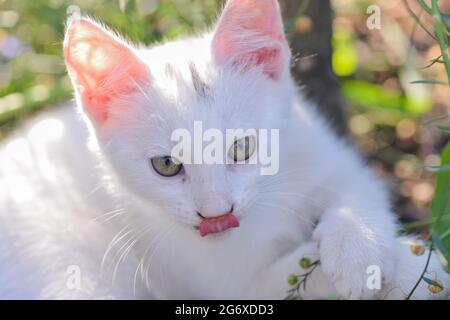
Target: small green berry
(305, 263)
(292, 279)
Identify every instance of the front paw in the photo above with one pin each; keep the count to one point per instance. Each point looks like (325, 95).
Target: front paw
(356, 262)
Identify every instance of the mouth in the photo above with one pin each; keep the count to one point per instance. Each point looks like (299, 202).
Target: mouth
(218, 224)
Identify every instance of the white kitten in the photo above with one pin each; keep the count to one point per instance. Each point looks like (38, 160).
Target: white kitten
(61, 211)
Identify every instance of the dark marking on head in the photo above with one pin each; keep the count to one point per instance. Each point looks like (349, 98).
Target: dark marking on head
(202, 89)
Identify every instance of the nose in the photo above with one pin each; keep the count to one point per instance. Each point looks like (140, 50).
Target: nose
(206, 215)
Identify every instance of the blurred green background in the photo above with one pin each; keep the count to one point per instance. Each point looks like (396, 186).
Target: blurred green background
(392, 120)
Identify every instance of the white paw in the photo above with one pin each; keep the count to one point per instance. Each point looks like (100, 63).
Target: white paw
(349, 256)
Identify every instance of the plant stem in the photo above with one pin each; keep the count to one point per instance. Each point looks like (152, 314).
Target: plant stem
(423, 273)
(441, 35)
(417, 19)
(302, 282)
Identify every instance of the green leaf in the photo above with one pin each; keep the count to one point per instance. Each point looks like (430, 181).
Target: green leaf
(446, 19)
(444, 168)
(437, 243)
(444, 128)
(370, 95)
(445, 234)
(430, 82)
(441, 207)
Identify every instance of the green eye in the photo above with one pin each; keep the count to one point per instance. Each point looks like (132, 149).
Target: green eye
(166, 166)
(242, 149)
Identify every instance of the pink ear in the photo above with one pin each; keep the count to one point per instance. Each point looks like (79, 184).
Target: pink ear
(250, 33)
(101, 66)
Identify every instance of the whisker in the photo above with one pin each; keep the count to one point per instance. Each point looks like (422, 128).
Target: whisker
(157, 245)
(108, 215)
(128, 249)
(142, 260)
(113, 242)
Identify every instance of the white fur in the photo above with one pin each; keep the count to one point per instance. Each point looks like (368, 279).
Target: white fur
(324, 203)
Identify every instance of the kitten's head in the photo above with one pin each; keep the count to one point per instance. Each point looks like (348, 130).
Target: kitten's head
(235, 77)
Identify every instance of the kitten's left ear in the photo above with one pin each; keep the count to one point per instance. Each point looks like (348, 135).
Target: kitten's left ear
(102, 67)
(250, 33)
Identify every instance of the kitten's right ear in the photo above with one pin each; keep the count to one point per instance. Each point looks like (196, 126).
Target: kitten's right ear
(101, 66)
(250, 33)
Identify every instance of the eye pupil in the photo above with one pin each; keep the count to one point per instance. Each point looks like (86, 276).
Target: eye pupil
(242, 149)
(247, 147)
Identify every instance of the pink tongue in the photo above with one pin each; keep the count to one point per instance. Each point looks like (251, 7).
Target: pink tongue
(218, 224)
